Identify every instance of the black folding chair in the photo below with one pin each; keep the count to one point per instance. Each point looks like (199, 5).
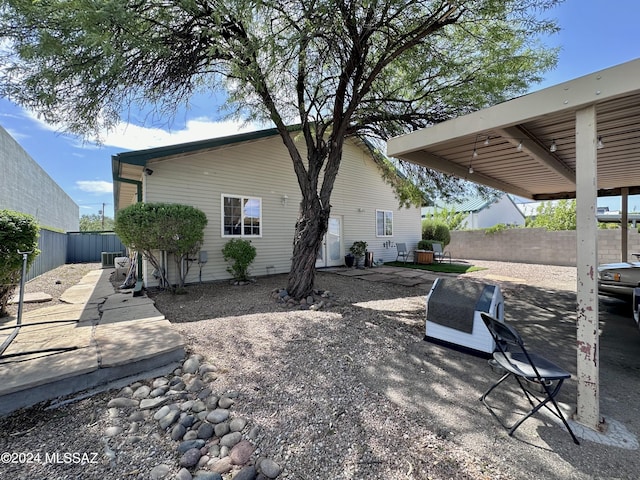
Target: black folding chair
(524, 366)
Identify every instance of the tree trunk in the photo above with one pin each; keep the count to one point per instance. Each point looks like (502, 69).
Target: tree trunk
(311, 226)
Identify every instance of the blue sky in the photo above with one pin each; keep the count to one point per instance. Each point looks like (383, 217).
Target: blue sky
(595, 34)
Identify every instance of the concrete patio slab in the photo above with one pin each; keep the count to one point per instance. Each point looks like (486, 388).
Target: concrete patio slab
(123, 300)
(76, 312)
(32, 297)
(131, 341)
(97, 337)
(58, 335)
(126, 313)
(407, 282)
(22, 376)
(354, 272)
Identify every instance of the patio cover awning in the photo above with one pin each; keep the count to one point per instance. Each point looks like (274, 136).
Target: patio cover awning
(579, 139)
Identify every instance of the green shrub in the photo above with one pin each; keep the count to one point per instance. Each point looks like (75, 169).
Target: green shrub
(425, 245)
(498, 227)
(18, 232)
(358, 248)
(435, 230)
(170, 227)
(242, 253)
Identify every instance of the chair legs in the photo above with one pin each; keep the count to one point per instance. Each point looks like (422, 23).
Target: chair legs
(550, 397)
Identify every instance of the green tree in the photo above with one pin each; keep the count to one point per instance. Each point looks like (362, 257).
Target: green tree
(436, 230)
(18, 233)
(95, 223)
(336, 68)
(452, 219)
(156, 227)
(559, 216)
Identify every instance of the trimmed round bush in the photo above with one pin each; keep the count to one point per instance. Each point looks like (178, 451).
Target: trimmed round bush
(436, 231)
(242, 253)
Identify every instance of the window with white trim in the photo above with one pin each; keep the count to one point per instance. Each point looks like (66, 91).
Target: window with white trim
(384, 223)
(241, 216)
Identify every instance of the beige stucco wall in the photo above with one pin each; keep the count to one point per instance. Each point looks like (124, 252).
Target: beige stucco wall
(537, 245)
(263, 169)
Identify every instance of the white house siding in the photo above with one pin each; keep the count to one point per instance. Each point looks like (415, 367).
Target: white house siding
(25, 187)
(263, 169)
(501, 211)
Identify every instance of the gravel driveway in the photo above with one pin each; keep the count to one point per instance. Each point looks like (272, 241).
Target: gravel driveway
(353, 391)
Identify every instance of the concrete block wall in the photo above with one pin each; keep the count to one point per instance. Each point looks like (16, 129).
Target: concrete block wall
(537, 245)
(25, 187)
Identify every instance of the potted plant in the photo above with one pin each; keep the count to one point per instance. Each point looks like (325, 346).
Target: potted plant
(349, 259)
(424, 253)
(425, 245)
(358, 249)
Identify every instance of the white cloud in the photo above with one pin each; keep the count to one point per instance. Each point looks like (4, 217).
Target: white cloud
(129, 136)
(95, 186)
(135, 137)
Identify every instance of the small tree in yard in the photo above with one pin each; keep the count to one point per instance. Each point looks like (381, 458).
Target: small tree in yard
(336, 68)
(558, 216)
(18, 232)
(170, 227)
(437, 231)
(242, 253)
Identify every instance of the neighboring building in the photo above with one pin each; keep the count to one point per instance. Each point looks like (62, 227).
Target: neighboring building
(482, 213)
(25, 187)
(246, 186)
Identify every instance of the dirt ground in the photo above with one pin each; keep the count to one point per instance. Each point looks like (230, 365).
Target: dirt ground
(354, 392)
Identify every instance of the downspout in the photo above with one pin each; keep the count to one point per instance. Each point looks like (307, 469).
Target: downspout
(137, 291)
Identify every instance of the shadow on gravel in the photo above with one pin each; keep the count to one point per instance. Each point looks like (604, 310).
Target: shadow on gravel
(444, 386)
(437, 389)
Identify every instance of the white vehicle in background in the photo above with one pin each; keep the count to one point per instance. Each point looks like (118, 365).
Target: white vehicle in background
(619, 279)
(622, 280)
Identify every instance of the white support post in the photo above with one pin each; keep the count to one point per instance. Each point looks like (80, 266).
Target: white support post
(624, 223)
(588, 399)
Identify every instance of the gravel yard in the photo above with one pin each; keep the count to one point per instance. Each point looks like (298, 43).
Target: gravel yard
(315, 383)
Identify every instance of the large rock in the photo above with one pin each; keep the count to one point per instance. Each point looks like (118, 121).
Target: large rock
(221, 466)
(189, 444)
(241, 452)
(169, 419)
(191, 365)
(159, 472)
(247, 473)
(237, 424)
(231, 439)
(142, 392)
(190, 458)
(270, 468)
(218, 415)
(205, 431)
(150, 403)
(123, 402)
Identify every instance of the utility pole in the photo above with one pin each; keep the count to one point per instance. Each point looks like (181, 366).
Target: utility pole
(102, 211)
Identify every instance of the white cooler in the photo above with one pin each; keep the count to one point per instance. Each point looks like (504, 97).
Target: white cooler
(453, 313)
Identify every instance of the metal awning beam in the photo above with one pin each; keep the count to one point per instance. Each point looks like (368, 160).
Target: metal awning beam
(532, 146)
(432, 161)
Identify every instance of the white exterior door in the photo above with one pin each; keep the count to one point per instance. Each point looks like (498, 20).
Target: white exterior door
(331, 253)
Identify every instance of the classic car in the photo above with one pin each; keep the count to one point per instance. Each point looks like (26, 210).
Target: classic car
(619, 279)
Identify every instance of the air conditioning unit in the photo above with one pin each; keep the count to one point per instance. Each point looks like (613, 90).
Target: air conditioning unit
(109, 258)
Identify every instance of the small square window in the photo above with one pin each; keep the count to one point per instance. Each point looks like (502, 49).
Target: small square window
(241, 216)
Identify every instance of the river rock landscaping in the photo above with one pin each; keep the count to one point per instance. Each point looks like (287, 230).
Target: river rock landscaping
(210, 439)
